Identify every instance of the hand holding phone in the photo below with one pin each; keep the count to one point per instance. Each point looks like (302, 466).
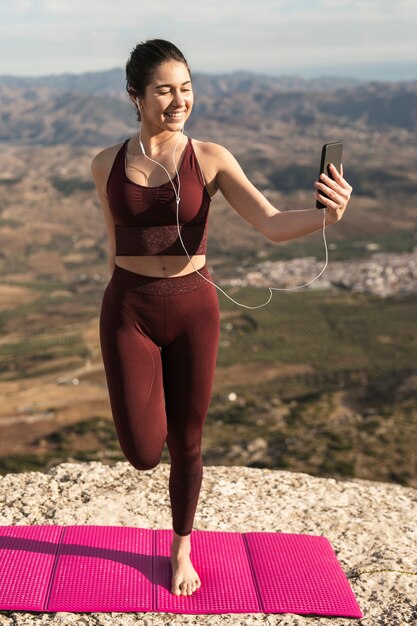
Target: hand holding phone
(331, 153)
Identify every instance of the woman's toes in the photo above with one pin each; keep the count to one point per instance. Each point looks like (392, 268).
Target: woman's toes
(176, 585)
(186, 588)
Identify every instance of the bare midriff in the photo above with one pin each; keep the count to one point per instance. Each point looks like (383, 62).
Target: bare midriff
(161, 266)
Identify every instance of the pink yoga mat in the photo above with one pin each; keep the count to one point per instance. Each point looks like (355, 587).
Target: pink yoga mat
(104, 568)
(124, 569)
(302, 571)
(27, 558)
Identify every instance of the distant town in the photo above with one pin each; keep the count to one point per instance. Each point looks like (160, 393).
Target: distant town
(383, 274)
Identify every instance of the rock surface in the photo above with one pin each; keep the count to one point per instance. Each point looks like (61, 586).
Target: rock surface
(371, 526)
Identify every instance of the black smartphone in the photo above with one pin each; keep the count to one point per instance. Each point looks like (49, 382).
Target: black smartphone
(331, 153)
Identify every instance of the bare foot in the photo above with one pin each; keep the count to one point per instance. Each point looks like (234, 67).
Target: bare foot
(185, 579)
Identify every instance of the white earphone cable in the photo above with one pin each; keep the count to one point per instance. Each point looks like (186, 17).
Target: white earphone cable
(177, 197)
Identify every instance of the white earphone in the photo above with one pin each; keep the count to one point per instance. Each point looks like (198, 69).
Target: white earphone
(177, 197)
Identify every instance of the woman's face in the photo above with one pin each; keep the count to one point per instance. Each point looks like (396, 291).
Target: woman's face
(169, 98)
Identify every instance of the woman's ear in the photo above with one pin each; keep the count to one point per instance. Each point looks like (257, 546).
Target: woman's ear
(134, 99)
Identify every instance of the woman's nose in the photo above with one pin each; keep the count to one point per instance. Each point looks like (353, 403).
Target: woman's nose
(178, 98)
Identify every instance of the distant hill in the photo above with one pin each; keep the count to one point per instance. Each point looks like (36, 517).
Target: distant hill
(88, 82)
(71, 109)
(113, 81)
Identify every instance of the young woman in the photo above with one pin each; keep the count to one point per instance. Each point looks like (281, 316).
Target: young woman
(159, 318)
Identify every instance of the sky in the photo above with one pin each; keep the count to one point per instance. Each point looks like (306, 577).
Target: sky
(365, 39)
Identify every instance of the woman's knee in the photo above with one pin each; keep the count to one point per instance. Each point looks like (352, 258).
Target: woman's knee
(143, 464)
(183, 451)
(142, 460)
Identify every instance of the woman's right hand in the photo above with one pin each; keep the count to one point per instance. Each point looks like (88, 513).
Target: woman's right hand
(338, 192)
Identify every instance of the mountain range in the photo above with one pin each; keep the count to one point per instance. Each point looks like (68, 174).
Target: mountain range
(93, 108)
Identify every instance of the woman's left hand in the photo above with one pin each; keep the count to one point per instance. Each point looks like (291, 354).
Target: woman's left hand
(338, 192)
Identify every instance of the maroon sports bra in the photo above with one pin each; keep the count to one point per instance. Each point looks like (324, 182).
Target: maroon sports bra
(145, 218)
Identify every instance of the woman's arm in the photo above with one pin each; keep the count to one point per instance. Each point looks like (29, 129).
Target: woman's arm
(98, 172)
(277, 226)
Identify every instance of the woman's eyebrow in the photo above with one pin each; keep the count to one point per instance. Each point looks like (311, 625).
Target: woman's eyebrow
(168, 85)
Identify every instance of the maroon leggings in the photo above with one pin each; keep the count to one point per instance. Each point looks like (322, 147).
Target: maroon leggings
(159, 339)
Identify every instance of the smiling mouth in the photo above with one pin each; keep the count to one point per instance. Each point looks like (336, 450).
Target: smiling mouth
(175, 116)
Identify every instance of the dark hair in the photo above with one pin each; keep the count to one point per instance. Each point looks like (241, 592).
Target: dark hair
(143, 61)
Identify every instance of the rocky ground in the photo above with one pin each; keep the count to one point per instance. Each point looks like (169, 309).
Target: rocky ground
(371, 526)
